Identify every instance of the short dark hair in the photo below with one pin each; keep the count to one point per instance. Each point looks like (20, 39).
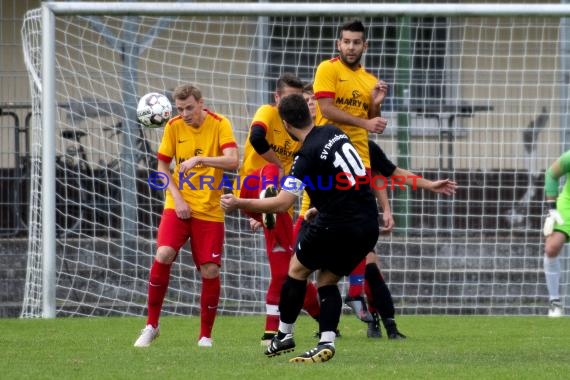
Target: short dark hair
(288, 80)
(295, 111)
(308, 88)
(353, 26)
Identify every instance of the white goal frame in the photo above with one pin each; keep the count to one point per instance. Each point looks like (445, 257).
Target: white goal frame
(51, 9)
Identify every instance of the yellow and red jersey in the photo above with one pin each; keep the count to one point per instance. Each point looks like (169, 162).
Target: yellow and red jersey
(279, 140)
(201, 190)
(351, 91)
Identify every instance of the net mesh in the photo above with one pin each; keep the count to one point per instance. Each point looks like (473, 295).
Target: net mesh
(481, 100)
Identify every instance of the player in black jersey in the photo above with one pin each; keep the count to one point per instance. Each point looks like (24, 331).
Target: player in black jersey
(344, 230)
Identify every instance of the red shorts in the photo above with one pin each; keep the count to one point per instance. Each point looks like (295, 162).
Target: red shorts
(206, 237)
(258, 180)
(254, 183)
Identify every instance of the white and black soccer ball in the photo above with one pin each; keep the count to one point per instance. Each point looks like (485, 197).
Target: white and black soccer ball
(154, 110)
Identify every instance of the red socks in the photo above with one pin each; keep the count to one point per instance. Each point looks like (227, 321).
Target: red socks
(311, 302)
(209, 300)
(157, 287)
(279, 266)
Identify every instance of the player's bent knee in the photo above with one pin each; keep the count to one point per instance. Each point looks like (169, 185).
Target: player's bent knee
(554, 244)
(165, 255)
(552, 250)
(326, 278)
(209, 270)
(297, 270)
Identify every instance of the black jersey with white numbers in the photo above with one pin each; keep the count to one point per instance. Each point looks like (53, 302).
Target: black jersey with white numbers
(328, 167)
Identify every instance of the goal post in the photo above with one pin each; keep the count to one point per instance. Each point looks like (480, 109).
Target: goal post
(48, 164)
(478, 93)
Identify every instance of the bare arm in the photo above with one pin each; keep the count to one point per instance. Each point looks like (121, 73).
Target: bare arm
(443, 186)
(281, 203)
(331, 112)
(379, 92)
(382, 199)
(182, 208)
(271, 157)
(229, 160)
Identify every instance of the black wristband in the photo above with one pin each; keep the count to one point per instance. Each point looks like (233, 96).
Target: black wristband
(551, 205)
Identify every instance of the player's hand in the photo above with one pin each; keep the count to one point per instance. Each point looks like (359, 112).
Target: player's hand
(228, 202)
(444, 186)
(376, 124)
(552, 219)
(310, 214)
(183, 211)
(388, 223)
(190, 163)
(379, 92)
(254, 224)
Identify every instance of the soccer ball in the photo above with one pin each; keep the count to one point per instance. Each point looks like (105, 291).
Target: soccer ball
(154, 110)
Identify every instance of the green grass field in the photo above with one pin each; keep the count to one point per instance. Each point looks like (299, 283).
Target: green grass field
(438, 347)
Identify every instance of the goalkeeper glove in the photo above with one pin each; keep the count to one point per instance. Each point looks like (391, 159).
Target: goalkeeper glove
(553, 218)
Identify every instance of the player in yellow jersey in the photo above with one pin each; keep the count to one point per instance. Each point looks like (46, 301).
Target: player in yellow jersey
(202, 145)
(268, 154)
(350, 97)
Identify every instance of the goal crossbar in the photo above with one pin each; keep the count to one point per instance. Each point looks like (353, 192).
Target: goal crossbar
(307, 9)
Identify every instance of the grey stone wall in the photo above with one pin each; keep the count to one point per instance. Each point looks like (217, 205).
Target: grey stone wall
(13, 260)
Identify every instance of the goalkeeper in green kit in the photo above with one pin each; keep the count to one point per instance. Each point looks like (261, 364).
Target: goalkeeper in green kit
(556, 228)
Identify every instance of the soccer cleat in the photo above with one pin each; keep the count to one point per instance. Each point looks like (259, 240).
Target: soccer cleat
(392, 329)
(555, 309)
(322, 353)
(205, 342)
(396, 335)
(269, 220)
(279, 346)
(358, 306)
(148, 334)
(267, 337)
(374, 327)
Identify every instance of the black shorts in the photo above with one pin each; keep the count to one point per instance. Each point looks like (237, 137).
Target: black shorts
(338, 249)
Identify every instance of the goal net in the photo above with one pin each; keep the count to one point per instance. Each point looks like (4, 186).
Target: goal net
(480, 99)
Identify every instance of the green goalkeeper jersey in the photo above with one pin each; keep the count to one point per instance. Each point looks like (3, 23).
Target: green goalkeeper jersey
(552, 185)
(551, 180)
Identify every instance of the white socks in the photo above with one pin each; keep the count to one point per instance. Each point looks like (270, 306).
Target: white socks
(286, 328)
(552, 275)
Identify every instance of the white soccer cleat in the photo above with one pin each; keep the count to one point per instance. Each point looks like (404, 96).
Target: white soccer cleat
(205, 342)
(148, 334)
(555, 309)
